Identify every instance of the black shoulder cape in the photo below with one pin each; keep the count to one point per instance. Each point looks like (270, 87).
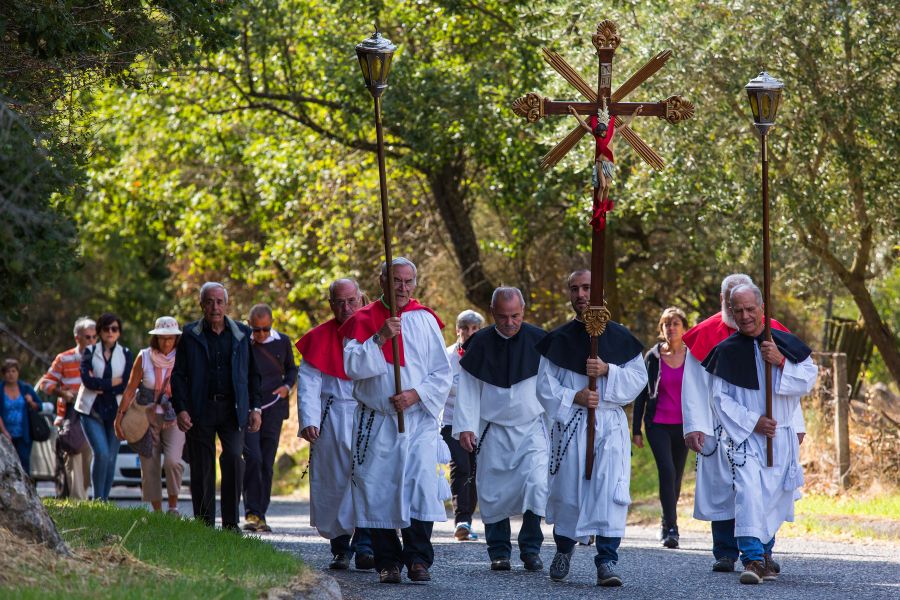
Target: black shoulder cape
(732, 359)
(569, 346)
(503, 362)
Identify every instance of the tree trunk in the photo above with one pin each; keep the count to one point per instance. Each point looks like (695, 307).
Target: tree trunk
(877, 329)
(21, 510)
(446, 186)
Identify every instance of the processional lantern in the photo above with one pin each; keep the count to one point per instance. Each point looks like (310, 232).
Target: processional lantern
(375, 54)
(764, 92)
(601, 103)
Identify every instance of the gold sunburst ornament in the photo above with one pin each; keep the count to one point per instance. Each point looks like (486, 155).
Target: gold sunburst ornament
(595, 319)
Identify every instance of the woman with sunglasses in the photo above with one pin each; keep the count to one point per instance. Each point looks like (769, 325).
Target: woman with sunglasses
(104, 368)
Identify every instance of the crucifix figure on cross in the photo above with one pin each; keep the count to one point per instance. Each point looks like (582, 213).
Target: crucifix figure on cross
(602, 106)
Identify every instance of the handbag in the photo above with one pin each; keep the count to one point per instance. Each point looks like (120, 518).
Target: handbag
(71, 434)
(134, 422)
(38, 426)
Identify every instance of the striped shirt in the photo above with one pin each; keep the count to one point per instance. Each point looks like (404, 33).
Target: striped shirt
(65, 371)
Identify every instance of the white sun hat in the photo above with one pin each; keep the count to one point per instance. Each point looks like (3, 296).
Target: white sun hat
(166, 326)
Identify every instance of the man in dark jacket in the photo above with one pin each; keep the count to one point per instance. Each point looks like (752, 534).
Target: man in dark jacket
(215, 391)
(274, 356)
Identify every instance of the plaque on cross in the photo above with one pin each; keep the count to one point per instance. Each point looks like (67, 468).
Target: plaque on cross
(607, 115)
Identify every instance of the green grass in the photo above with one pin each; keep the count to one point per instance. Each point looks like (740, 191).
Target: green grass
(186, 559)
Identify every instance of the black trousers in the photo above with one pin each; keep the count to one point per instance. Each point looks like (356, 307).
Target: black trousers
(462, 483)
(221, 420)
(259, 464)
(670, 453)
(416, 547)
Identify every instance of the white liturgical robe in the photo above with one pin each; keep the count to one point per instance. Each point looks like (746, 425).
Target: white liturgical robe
(511, 471)
(395, 474)
(327, 403)
(764, 495)
(579, 508)
(714, 491)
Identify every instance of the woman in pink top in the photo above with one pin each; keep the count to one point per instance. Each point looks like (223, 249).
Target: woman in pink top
(659, 408)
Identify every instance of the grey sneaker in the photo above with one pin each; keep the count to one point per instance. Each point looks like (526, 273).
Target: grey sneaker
(559, 568)
(606, 577)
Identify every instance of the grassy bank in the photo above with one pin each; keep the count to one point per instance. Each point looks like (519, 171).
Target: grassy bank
(144, 555)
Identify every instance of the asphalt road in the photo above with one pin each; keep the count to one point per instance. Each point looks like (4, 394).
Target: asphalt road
(811, 569)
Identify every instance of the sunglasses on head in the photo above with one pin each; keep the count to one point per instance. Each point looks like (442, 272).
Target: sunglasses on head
(111, 328)
(258, 329)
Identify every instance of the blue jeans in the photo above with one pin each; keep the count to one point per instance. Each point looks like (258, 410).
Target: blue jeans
(753, 549)
(105, 446)
(23, 449)
(497, 535)
(606, 547)
(361, 543)
(724, 543)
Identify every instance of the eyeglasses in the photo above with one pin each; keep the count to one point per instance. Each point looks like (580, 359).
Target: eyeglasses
(110, 328)
(258, 329)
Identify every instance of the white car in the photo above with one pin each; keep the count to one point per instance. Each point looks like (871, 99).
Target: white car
(128, 468)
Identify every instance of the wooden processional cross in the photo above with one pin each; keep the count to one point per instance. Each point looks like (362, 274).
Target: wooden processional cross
(599, 103)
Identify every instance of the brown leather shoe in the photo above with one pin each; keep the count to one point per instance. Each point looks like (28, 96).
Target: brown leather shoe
(418, 572)
(770, 564)
(389, 575)
(769, 572)
(754, 572)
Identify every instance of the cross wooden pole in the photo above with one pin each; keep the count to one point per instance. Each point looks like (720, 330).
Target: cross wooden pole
(388, 253)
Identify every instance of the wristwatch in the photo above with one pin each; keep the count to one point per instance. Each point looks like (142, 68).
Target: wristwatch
(377, 339)
(256, 409)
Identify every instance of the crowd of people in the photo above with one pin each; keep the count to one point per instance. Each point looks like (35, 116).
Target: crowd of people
(509, 406)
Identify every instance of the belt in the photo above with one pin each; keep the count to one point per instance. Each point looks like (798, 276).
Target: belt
(221, 397)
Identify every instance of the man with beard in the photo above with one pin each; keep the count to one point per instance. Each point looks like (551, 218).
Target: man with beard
(579, 508)
(395, 481)
(703, 433)
(326, 408)
(764, 496)
(496, 398)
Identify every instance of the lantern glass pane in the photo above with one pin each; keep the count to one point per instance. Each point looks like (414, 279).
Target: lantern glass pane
(365, 68)
(754, 106)
(776, 100)
(387, 65)
(376, 68)
(766, 107)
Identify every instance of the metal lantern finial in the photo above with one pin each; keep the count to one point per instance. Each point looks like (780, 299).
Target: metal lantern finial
(374, 54)
(764, 92)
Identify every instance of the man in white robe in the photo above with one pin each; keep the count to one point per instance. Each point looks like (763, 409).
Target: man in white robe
(395, 479)
(326, 409)
(498, 416)
(703, 433)
(764, 495)
(579, 508)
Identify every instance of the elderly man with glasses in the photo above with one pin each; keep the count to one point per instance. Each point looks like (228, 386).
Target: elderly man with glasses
(274, 359)
(63, 380)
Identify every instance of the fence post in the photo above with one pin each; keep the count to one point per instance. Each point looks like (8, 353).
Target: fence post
(841, 418)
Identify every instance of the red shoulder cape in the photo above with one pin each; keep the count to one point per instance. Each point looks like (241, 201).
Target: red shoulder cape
(705, 335)
(603, 143)
(369, 319)
(323, 348)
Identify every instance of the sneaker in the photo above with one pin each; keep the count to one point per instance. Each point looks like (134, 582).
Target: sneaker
(418, 572)
(464, 533)
(754, 573)
(770, 563)
(671, 539)
(365, 562)
(533, 562)
(389, 575)
(606, 577)
(559, 568)
(500, 564)
(251, 523)
(341, 562)
(174, 512)
(663, 530)
(724, 565)
(263, 527)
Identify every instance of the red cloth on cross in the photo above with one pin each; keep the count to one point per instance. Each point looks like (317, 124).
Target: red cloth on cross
(369, 319)
(603, 142)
